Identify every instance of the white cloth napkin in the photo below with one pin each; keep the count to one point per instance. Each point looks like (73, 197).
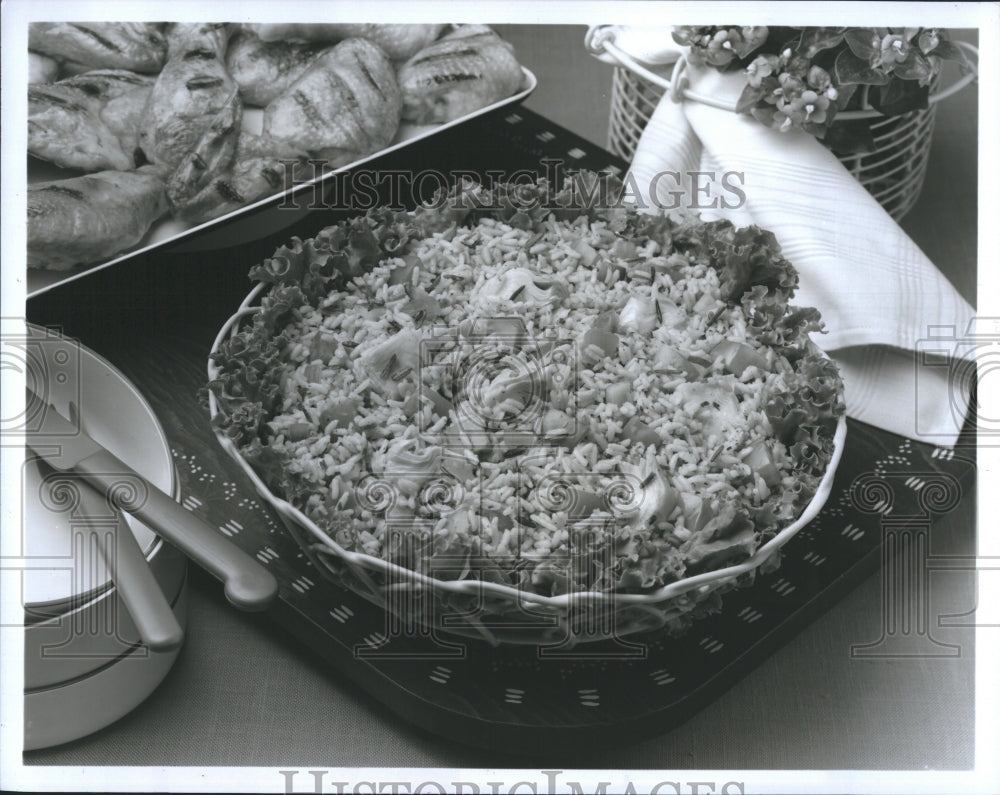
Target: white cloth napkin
(880, 297)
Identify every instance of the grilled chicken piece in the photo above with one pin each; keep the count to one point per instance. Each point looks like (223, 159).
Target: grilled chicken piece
(90, 218)
(257, 170)
(178, 33)
(90, 121)
(189, 93)
(345, 105)
(228, 169)
(136, 46)
(127, 94)
(123, 96)
(467, 69)
(211, 155)
(41, 68)
(398, 41)
(264, 69)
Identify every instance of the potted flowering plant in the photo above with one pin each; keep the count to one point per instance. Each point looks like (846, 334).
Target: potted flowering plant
(805, 77)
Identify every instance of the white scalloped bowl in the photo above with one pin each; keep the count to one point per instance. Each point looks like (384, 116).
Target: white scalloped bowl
(502, 614)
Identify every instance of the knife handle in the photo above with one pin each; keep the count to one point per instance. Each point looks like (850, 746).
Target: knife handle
(158, 626)
(247, 584)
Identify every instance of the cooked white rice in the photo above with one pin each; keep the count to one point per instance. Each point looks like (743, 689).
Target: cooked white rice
(522, 465)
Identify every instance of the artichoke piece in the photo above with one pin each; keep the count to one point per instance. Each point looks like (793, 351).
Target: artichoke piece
(736, 357)
(638, 431)
(759, 459)
(670, 360)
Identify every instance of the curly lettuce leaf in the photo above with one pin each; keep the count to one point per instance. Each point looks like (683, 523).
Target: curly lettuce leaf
(778, 325)
(744, 257)
(814, 399)
(749, 257)
(326, 262)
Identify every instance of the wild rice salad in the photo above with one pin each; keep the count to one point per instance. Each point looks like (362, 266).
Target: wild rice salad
(511, 386)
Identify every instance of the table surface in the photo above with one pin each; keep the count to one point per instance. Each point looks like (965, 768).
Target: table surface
(810, 705)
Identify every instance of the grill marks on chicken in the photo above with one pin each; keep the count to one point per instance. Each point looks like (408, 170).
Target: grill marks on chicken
(211, 155)
(467, 69)
(399, 41)
(266, 69)
(441, 54)
(88, 122)
(228, 169)
(256, 171)
(124, 95)
(36, 210)
(308, 107)
(136, 46)
(93, 217)
(191, 91)
(344, 106)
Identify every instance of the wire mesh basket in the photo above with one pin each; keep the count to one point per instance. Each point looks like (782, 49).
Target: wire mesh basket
(893, 172)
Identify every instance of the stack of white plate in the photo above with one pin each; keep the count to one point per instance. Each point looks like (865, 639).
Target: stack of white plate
(85, 665)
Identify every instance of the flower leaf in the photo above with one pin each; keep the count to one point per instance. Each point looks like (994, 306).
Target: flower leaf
(949, 51)
(815, 40)
(898, 97)
(849, 68)
(815, 129)
(850, 137)
(915, 67)
(863, 42)
(844, 95)
(750, 97)
(765, 115)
